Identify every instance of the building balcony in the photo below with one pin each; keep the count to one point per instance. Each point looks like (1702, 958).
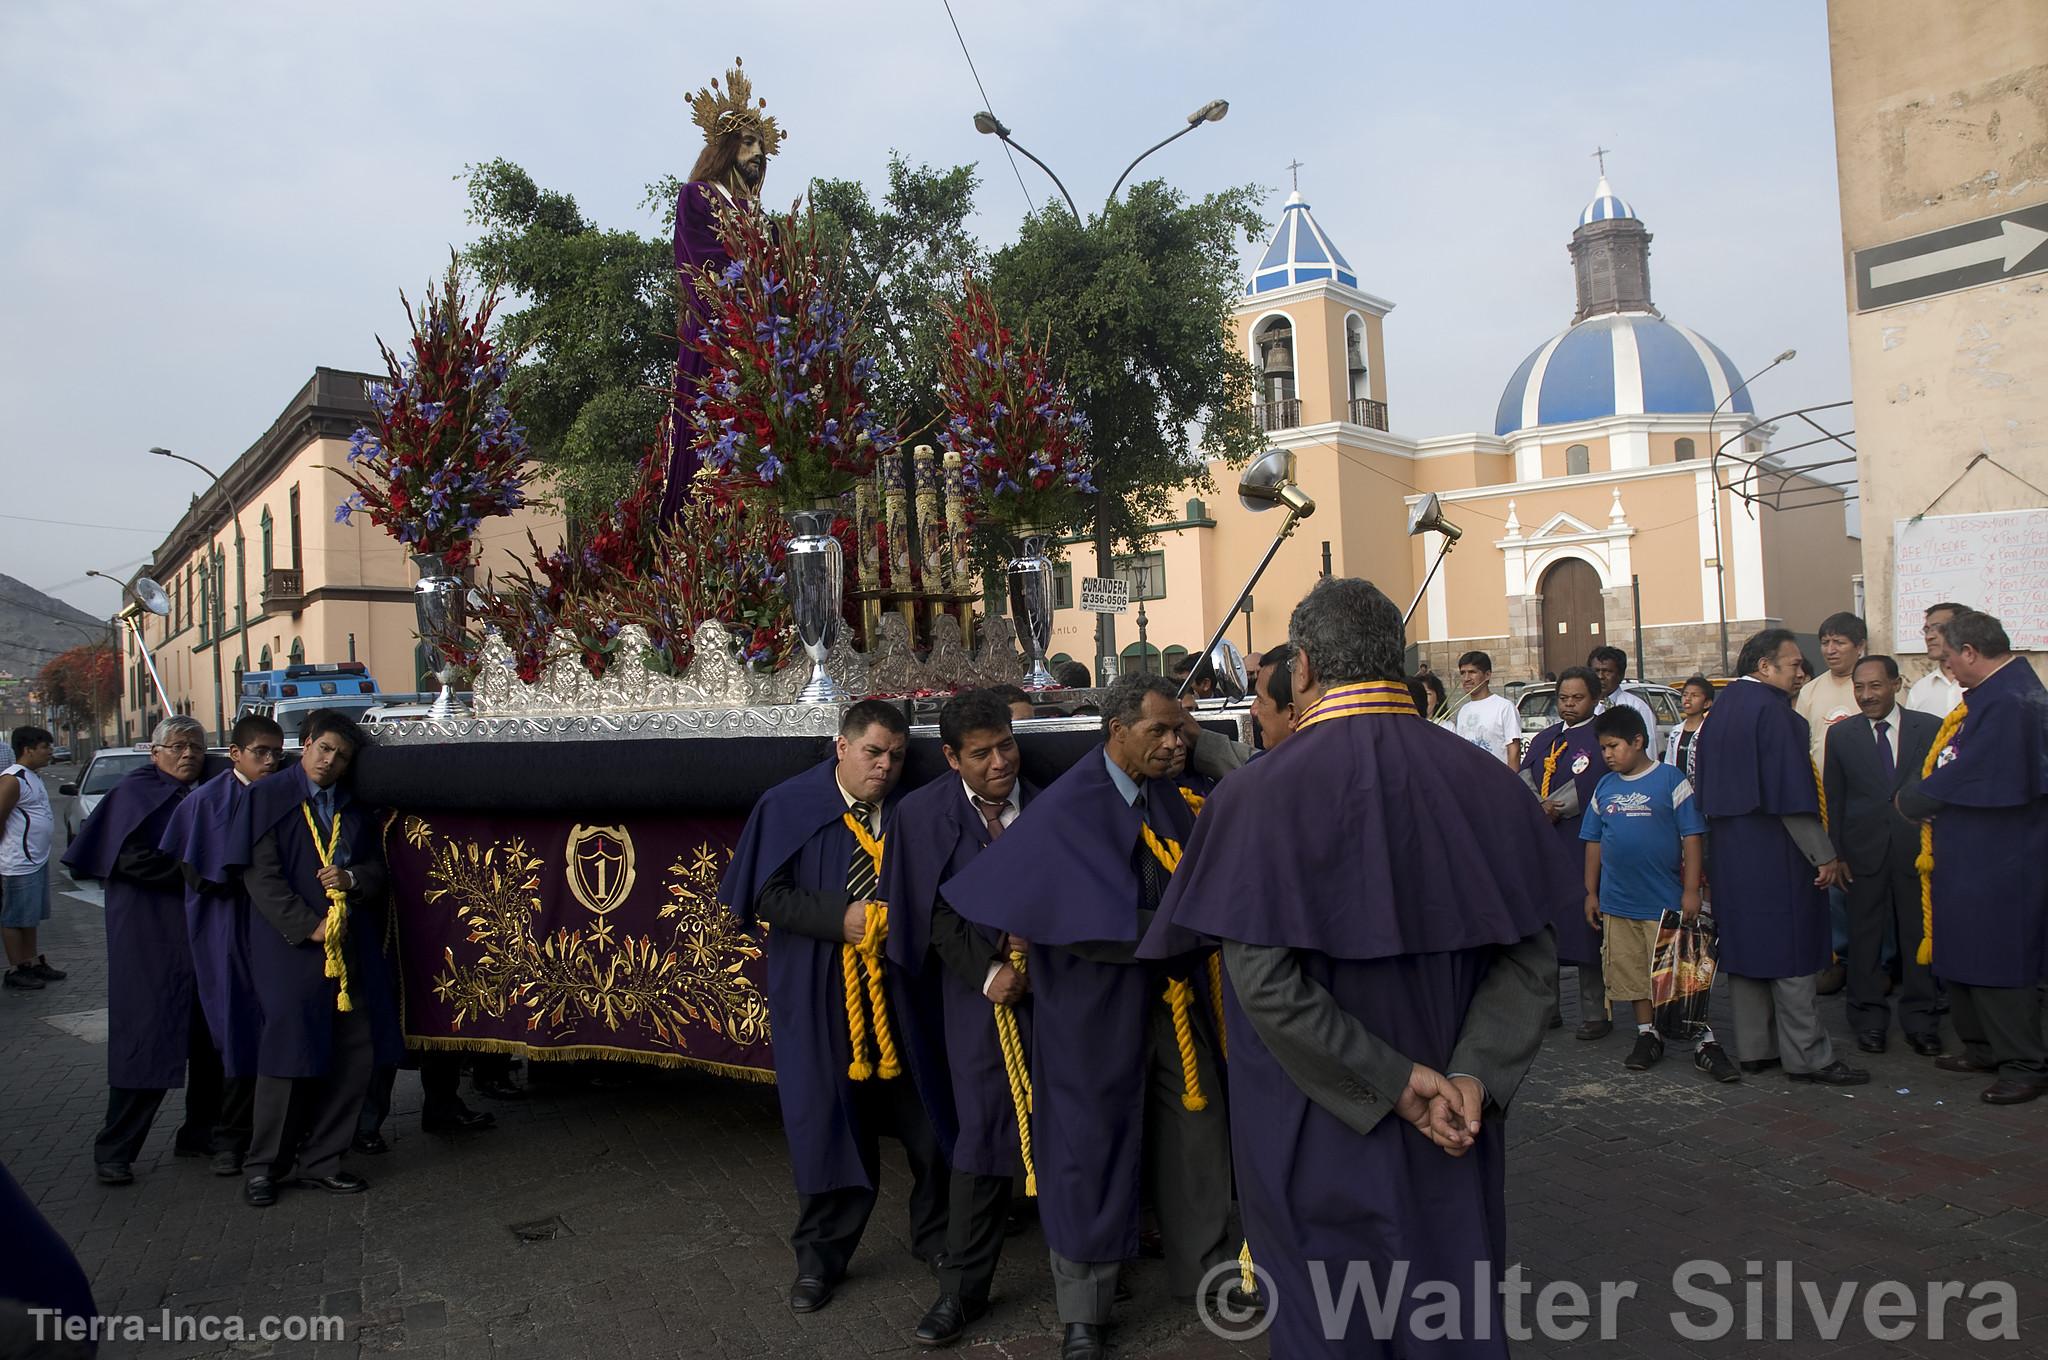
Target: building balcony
(283, 588)
(1280, 415)
(1369, 413)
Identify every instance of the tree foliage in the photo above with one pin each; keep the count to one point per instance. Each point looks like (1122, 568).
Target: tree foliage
(1136, 306)
(84, 682)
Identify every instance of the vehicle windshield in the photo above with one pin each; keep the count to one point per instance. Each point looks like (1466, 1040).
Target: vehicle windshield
(292, 715)
(107, 770)
(1538, 708)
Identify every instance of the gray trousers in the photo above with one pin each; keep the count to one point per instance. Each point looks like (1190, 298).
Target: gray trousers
(1780, 1018)
(1592, 993)
(1186, 1169)
(2002, 1026)
(304, 1124)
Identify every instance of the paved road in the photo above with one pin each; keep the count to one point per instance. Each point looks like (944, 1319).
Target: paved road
(662, 1203)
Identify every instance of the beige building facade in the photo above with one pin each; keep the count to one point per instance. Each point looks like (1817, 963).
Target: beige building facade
(1941, 130)
(299, 587)
(1593, 513)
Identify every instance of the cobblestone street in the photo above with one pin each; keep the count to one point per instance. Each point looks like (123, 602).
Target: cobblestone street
(660, 1203)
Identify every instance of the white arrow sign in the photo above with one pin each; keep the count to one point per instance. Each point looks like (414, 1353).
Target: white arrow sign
(2014, 242)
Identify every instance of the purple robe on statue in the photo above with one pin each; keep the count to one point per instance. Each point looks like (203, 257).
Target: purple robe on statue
(1395, 862)
(1578, 761)
(697, 245)
(801, 821)
(296, 996)
(1991, 835)
(149, 958)
(1755, 765)
(934, 833)
(201, 835)
(1067, 875)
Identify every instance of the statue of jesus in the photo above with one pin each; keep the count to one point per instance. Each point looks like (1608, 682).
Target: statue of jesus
(739, 137)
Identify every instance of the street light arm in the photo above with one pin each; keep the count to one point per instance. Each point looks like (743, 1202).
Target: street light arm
(1141, 156)
(1714, 476)
(1010, 141)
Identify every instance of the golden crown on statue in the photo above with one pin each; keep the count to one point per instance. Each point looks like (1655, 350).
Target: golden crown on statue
(733, 109)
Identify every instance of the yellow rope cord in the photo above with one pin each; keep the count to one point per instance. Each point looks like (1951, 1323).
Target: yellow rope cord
(1245, 1278)
(860, 1069)
(1216, 1004)
(1550, 767)
(1012, 1043)
(1167, 852)
(337, 908)
(1193, 800)
(1179, 994)
(866, 958)
(871, 958)
(1820, 792)
(1925, 862)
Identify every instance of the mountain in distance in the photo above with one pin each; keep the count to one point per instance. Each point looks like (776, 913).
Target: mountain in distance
(34, 628)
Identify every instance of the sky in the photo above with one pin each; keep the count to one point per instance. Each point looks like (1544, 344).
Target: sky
(205, 201)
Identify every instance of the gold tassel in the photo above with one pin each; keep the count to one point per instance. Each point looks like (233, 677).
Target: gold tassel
(336, 965)
(1012, 1044)
(860, 1069)
(1925, 862)
(1179, 993)
(1245, 1277)
(1216, 1004)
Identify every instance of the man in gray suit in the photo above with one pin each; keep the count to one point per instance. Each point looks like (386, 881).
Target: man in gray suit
(1870, 760)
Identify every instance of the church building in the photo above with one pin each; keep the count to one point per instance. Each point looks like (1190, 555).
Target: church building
(1589, 513)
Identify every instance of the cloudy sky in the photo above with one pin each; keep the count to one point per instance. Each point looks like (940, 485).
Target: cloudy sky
(205, 201)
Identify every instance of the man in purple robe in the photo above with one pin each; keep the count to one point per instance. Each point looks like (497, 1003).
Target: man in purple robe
(330, 1013)
(1988, 799)
(156, 1032)
(1383, 891)
(201, 837)
(1769, 865)
(857, 1048)
(1126, 1077)
(934, 833)
(738, 140)
(1562, 767)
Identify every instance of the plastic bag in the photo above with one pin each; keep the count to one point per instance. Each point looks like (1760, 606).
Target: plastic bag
(1682, 974)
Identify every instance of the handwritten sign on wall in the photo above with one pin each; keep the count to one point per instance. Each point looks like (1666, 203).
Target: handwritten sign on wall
(1995, 562)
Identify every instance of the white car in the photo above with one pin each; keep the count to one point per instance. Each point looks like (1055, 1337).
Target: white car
(107, 769)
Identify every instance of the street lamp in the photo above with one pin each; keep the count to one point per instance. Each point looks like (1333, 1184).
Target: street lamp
(220, 592)
(151, 597)
(1714, 474)
(989, 125)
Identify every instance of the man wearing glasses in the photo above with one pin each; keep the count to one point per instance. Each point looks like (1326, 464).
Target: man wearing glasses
(155, 1030)
(1937, 691)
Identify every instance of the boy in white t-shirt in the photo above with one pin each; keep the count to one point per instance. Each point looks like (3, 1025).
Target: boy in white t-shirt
(1487, 719)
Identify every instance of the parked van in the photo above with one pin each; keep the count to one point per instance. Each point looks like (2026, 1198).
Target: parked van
(290, 694)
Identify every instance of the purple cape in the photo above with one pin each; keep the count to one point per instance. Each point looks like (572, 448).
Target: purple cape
(1991, 838)
(934, 833)
(1577, 942)
(38, 1269)
(149, 958)
(295, 994)
(201, 835)
(1754, 765)
(697, 244)
(800, 821)
(1067, 874)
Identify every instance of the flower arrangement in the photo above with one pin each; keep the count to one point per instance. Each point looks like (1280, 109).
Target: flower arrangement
(1023, 446)
(783, 412)
(445, 452)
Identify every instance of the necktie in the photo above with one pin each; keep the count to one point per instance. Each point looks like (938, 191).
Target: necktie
(860, 870)
(323, 804)
(1151, 873)
(1884, 751)
(992, 813)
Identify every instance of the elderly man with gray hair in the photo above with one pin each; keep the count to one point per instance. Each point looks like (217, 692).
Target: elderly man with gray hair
(155, 1029)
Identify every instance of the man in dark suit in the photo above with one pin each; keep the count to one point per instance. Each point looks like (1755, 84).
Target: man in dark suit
(1869, 760)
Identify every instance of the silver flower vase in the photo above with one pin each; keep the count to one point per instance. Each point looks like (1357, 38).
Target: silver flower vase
(1031, 600)
(814, 576)
(437, 603)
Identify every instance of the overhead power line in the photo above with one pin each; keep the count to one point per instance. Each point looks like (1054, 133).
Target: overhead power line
(985, 101)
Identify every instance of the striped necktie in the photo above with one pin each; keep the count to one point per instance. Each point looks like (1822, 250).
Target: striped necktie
(860, 870)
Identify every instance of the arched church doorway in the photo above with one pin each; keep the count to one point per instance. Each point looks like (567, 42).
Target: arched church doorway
(1574, 616)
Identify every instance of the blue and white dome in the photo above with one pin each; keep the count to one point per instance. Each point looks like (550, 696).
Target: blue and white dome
(1300, 252)
(1606, 205)
(1619, 364)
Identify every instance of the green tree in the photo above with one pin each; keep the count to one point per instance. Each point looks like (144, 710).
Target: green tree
(1135, 306)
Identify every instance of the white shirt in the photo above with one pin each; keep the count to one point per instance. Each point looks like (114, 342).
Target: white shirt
(1491, 724)
(25, 844)
(1934, 693)
(874, 809)
(1826, 700)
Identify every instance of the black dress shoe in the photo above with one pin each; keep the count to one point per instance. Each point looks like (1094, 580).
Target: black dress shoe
(946, 1321)
(340, 1183)
(113, 1173)
(260, 1192)
(1962, 1062)
(1836, 1073)
(2012, 1091)
(1084, 1341)
(369, 1144)
(461, 1119)
(809, 1293)
(1594, 1029)
(1756, 1065)
(1926, 1045)
(1871, 1041)
(227, 1163)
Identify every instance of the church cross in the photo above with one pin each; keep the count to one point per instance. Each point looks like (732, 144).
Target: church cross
(1294, 168)
(1601, 153)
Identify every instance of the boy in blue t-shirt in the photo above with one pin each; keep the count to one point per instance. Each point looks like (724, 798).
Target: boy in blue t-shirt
(1645, 850)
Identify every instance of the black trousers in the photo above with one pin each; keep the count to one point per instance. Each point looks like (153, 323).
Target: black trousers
(976, 1209)
(440, 1079)
(2001, 1025)
(1882, 906)
(829, 1225)
(305, 1123)
(217, 1111)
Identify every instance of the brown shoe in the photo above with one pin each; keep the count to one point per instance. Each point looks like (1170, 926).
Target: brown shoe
(1595, 1029)
(2012, 1091)
(1963, 1062)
